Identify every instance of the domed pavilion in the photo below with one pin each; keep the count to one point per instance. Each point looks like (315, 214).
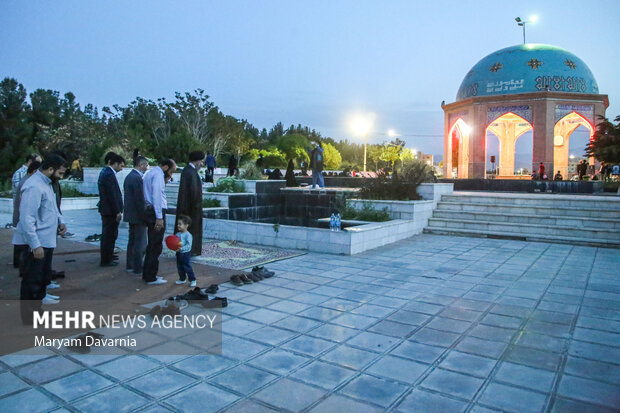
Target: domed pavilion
(535, 87)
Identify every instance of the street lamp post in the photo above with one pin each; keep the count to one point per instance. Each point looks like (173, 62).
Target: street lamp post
(365, 145)
(361, 126)
(523, 22)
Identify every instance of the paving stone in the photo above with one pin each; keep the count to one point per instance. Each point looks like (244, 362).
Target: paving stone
(350, 357)
(240, 349)
(448, 324)
(593, 369)
(590, 391)
(594, 351)
(249, 406)
(323, 374)
(512, 399)
(378, 391)
(333, 332)
(279, 361)
(204, 365)
(533, 358)
(524, 376)
(308, 345)
(573, 406)
(372, 341)
(201, 398)
(10, 383)
(423, 401)
(161, 382)
(455, 384)
(468, 363)
(493, 333)
(434, 337)
(296, 323)
(243, 379)
(127, 367)
(271, 335)
(542, 342)
(337, 403)
(373, 310)
(289, 394)
(391, 328)
(288, 306)
(409, 317)
(354, 321)
(77, 385)
(418, 351)
(48, 369)
(482, 347)
(29, 401)
(398, 369)
(116, 399)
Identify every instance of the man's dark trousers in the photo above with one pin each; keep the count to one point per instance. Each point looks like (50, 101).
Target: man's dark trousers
(136, 247)
(109, 233)
(36, 276)
(154, 248)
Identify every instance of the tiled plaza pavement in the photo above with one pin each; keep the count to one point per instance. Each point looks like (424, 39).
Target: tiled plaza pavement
(429, 324)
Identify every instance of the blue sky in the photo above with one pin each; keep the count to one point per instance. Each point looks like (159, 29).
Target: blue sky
(313, 63)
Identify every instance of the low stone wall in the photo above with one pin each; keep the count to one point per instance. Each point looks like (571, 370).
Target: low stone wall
(515, 185)
(349, 241)
(68, 204)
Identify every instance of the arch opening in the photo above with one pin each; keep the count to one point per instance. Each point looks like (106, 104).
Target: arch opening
(508, 128)
(563, 160)
(458, 148)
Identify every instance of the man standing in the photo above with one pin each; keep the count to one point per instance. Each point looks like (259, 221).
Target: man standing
(316, 163)
(110, 208)
(16, 179)
(156, 205)
(210, 163)
(135, 210)
(189, 201)
(39, 223)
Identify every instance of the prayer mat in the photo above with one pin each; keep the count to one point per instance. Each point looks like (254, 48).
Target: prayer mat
(236, 255)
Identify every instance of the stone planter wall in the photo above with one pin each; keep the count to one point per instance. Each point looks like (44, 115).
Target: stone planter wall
(68, 204)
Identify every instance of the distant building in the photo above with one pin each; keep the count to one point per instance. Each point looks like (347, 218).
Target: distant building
(529, 87)
(428, 159)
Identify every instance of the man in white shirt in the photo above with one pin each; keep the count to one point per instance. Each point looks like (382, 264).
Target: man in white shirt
(156, 204)
(39, 223)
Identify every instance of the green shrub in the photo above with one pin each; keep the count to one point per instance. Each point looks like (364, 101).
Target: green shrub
(211, 203)
(367, 213)
(251, 171)
(228, 185)
(401, 186)
(72, 192)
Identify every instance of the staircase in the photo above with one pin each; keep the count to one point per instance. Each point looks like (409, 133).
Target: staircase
(570, 219)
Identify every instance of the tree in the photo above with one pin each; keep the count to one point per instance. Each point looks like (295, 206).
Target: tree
(406, 155)
(294, 146)
(391, 154)
(15, 126)
(332, 156)
(605, 145)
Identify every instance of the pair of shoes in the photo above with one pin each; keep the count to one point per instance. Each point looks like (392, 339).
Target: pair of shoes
(57, 274)
(212, 289)
(169, 309)
(240, 279)
(93, 238)
(263, 272)
(47, 300)
(83, 347)
(191, 295)
(53, 285)
(216, 302)
(157, 281)
(109, 264)
(179, 282)
(68, 235)
(53, 297)
(255, 277)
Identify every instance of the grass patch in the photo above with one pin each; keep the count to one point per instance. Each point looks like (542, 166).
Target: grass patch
(211, 203)
(367, 213)
(72, 192)
(229, 185)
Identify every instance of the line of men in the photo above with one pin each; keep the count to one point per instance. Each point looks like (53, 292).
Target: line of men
(40, 221)
(145, 206)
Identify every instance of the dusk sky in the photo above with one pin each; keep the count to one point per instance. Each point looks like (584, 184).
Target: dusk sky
(313, 63)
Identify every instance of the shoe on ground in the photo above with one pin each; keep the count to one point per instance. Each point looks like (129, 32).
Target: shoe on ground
(158, 281)
(52, 297)
(130, 270)
(236, 280)
(245, 279)
(263, 272)
(216, 302)
(53, 285)
(253, 277)
(192, 284)
(179, 282)
(68, 235)
(109, 264)
(48, 301)
(212, 289)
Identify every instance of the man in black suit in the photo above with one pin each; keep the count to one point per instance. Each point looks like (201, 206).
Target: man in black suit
(189, 201)
(135, 215)
(110, 208)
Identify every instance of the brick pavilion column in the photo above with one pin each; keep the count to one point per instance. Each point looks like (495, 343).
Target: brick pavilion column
(477, 148)
(543, 115)
(447, 147)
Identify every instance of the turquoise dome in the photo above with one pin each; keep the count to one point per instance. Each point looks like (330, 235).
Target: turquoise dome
(528, 68)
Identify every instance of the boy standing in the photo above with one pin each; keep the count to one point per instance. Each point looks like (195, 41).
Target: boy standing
(184, 265)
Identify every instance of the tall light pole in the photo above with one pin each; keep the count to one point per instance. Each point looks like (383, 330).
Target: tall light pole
(361, 126)
(523, 22)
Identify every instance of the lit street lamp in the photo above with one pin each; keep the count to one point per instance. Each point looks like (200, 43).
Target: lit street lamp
(523, 22)
(361, 127)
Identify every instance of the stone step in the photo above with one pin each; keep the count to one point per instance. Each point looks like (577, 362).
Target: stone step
(533, 218)
(528, 210)
(526, 229)
(593, 242)
(543, 200)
